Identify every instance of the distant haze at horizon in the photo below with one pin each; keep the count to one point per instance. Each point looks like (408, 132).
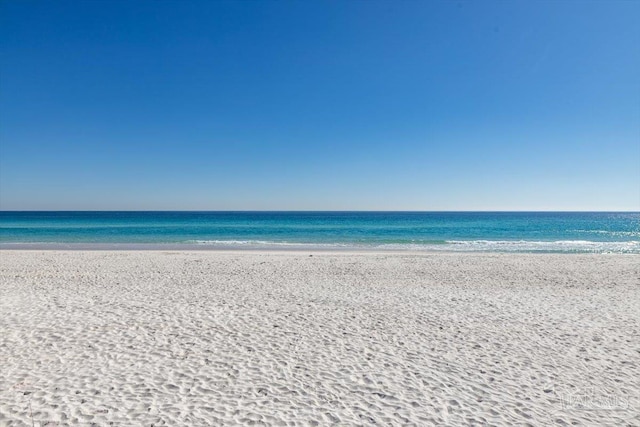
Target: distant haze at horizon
(320, 106)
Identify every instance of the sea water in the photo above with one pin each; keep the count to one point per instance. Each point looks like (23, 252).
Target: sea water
(599, 232)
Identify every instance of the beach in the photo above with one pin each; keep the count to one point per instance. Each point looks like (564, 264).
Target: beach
(291, 338)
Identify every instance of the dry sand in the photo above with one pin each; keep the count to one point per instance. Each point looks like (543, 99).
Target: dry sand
(258, 338)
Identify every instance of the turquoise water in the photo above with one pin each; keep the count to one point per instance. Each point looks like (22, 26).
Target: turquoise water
(450, 231)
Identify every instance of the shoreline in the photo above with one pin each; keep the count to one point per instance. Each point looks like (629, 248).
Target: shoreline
(310, 251)
(293, 248)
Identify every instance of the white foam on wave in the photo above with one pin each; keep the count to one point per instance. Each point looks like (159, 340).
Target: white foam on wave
(267, 243)
(578, 246)
(546, 246)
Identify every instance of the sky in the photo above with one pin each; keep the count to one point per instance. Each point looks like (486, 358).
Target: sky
(319, 105)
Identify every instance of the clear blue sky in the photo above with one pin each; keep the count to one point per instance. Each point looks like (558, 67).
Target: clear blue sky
(321, 105)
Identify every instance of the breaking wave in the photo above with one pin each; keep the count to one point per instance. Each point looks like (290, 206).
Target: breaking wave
(571, 246)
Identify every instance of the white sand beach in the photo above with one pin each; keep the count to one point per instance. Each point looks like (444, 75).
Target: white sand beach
(311, 338)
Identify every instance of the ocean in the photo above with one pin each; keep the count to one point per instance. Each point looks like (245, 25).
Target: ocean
(599, 232)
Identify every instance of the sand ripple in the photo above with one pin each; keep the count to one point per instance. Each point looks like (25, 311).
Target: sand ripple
(284, 339)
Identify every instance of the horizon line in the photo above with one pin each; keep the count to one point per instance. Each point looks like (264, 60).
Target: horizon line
(321, 210)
